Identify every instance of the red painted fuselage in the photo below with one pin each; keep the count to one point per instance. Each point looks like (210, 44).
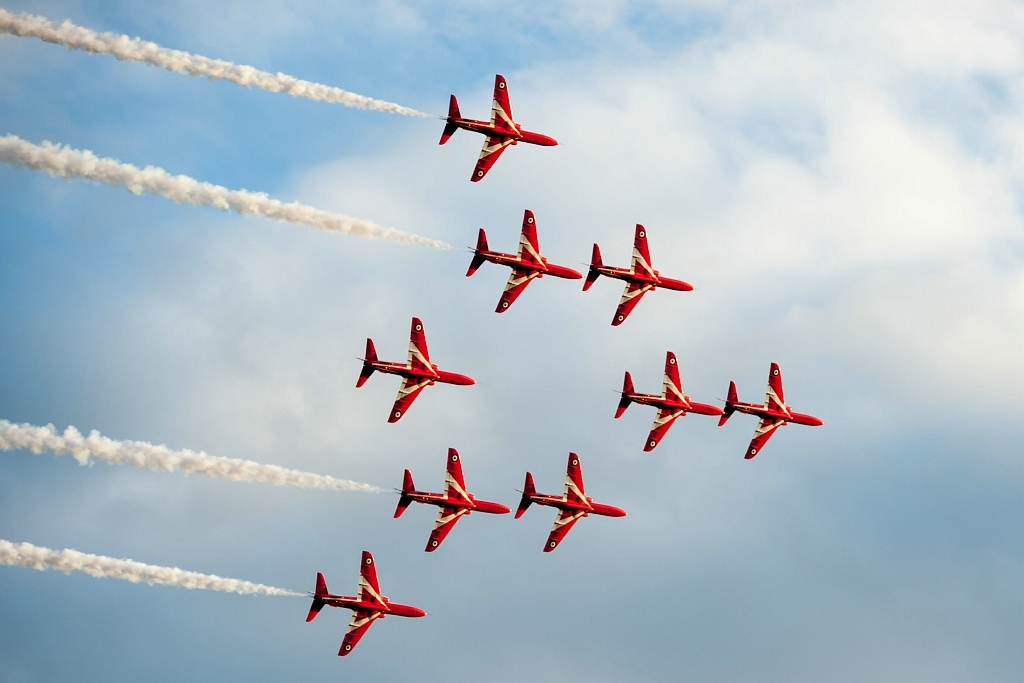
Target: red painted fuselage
(502, 131)
(454, 502)
(527, 263)
(573, 504)
(417, 373)
(773, 414)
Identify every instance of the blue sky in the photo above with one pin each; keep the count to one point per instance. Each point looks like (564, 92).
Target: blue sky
(842, 184)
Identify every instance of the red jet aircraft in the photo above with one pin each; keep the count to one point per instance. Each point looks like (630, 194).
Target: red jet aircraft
(526, 264)
(640, 278)
(454, 502)
(774, 413)
(501, 132)
(672, 403)
(366, 606)
(416, 374)
(573, 503)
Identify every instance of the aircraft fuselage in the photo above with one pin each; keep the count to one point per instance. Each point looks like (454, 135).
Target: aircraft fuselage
(516, 136)
(686, 406)
(356, 604)
(769, 414)
(628, 275)
(544, 268)
(440, 500)
(587, 508)
(434, 376)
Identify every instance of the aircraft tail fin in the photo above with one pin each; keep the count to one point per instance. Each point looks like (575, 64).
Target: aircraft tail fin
(318, 603)
(371, 357)
(627, 389)
(478, 260)
(730, 404)
(407, 488)
(595, 261)
(453, 113)
(528, 490)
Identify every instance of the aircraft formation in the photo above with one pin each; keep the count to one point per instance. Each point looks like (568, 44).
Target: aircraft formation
(418, 372)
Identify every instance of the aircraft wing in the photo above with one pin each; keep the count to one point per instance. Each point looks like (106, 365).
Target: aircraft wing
(419, 354)
(369, 589)
(445, 522)
(563, 523)
(672, 385)
(662, 422)
(764, 431)
(407, 393)
(630, 298)
(641, 255)
(494, 145)
(454, 481)
(501, 106)
(529, 245)
(575, 491)
(360, 624)
(775, 397)
(517, 282)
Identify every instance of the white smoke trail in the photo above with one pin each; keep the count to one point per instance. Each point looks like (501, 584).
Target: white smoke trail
(67, 561)
(72, 163)
(136, 50)
(161, 458)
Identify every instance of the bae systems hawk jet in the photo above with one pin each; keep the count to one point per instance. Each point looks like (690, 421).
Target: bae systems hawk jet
(367, 606)
(640, 278)
(501, 131)
(526, 264)
(672, 403)
(417, 373)
(454, 502)
(774, 413)
(573, 504)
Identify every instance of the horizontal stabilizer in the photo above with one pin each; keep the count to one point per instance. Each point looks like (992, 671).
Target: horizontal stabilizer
(453, 113)
(730, 404)
(595, 262)
(528, 490)
(627, 389)
(370, 357)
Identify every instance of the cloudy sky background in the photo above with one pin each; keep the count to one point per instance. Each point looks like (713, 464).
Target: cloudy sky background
(842, 182)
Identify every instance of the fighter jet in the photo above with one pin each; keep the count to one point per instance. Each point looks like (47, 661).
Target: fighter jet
(366, 606)
(501, 131)
(640, 278)
(416, 374)
(573, 504)
(454, 502)
(672, 403)
(526, 265)
(774, 413)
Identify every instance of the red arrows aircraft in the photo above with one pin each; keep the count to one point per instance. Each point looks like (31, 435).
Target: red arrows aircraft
(366, 606)
(526, 264)
(672, 403)
(501, 132)
(454, 502)
(640, 278)
(774, 413)
(416, 374)
(573, 503)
